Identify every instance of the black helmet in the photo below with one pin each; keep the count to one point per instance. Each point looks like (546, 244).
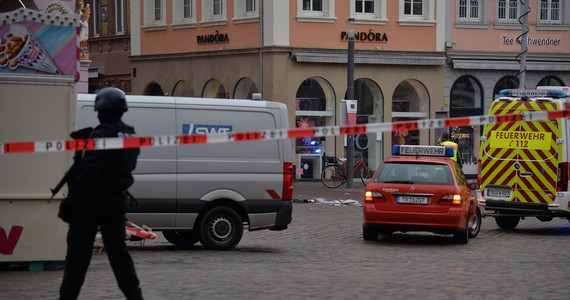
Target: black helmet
(109, 98)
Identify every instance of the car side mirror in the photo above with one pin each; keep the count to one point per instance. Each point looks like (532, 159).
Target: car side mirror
(475, 186)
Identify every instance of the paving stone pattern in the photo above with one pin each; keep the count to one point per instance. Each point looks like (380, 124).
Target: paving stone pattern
(323, 256)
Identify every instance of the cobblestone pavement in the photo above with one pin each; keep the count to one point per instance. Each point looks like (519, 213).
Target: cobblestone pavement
(323, 256)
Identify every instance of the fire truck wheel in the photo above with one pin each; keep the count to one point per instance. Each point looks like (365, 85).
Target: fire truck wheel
(507, 222)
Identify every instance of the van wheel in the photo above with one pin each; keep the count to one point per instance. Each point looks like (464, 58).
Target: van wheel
(184, 239)
(221, 228)
(462, 237)
(507, 222)
(475, 224)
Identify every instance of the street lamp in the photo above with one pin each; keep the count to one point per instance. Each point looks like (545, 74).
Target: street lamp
(350, 96)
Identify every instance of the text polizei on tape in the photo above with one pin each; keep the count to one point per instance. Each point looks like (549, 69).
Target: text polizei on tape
(176, 140)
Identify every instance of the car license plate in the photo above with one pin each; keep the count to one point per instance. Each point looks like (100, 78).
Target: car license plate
(411, 200)
(501, 193)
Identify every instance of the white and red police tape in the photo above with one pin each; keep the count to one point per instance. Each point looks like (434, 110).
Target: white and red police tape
(175, 140)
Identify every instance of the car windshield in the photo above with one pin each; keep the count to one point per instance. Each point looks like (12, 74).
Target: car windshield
(414, 173)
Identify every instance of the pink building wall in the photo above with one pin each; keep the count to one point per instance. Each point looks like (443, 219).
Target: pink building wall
(301, 34)
(491, 39)
(184, 40)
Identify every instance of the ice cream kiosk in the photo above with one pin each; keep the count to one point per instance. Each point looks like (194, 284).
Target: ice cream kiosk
(39, 71)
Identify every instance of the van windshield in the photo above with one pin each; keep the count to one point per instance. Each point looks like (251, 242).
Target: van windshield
(414, 173)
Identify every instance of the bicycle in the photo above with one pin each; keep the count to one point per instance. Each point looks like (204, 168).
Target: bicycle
(334, 174)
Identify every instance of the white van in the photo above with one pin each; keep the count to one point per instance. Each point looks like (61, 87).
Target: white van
(524, 166)
(207, 192)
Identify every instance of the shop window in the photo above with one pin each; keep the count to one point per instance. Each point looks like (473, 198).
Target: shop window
(410, 101)
(551, 81)
(370, 110)
(153, 89)
(315, 10)
(466, 99)
(313, 108)
(245, 89)
(466, 92)
(182, 89)
(507, 82)
(214, 89)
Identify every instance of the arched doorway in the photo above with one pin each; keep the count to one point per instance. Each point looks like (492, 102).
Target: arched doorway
(370, 110)
(506, 82)
(153, 89)
(314, 106)
(551, 81)
(182, 89)
(245, 88)
(214, 89)
(410, 101)
(466, 99)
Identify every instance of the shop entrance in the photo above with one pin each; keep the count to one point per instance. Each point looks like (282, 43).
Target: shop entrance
(466, 99)
(314, 106)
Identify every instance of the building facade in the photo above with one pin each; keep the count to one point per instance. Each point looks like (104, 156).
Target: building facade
(109, 44)
(483, 50)
(415, 59)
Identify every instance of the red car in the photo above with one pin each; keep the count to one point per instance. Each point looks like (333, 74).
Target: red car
(421, 189)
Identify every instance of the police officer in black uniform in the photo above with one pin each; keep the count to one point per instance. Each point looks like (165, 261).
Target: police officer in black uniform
(98, 191)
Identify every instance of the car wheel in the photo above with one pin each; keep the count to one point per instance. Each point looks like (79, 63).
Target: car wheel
(184, 239)
(221, 228)
(507, 222)
(462, 237)
(369, 234)
(475, 224)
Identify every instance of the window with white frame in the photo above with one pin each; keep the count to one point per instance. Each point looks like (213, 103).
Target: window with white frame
(507, 11)
(120, 26)
(246, 11)
(369, 11)
(183, 14)
(213, 12)
(469, 11)
(365, 6)
(250, 6)
(313, 5)
(316, 10)
(550, 12)
(96, 17)
(154, 15)
(416, 12)
(414, 8)
(157, 11)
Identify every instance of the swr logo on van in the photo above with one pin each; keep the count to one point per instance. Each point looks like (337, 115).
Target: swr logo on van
(206, 129)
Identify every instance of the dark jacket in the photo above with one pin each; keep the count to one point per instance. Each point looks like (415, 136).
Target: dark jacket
(103, 176)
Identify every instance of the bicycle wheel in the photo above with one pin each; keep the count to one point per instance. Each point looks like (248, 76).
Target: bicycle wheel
(365, 175)
(333, 176)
